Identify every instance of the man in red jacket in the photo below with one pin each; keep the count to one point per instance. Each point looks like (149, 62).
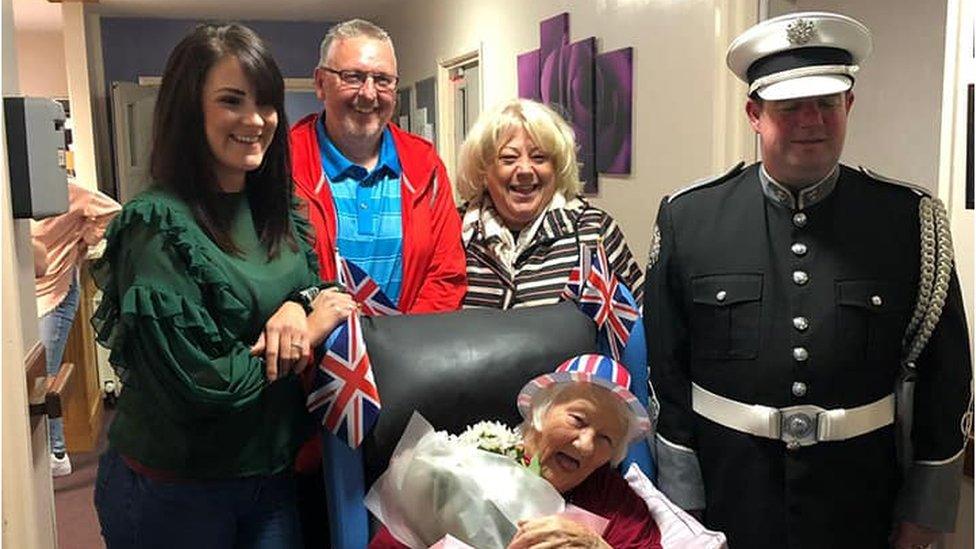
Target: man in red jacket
(376, 194)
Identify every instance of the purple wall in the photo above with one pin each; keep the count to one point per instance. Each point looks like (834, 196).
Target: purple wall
(133, 47)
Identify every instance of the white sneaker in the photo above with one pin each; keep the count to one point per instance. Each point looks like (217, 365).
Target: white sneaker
(60, 466)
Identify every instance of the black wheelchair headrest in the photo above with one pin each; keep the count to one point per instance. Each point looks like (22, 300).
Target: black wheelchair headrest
(462, 367)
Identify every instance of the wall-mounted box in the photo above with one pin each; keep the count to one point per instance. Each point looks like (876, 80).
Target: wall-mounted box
(36, 156)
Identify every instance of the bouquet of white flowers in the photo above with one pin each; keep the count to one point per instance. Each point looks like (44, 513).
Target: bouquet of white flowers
(472, 487)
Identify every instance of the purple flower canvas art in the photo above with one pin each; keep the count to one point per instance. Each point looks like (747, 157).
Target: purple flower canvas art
(614, 89)
(553, 35)
(566, 84)
(593, 92)
(528, 76)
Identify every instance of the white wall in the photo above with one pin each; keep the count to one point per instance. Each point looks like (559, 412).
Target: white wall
(679, 79)
(895, 124)
(40, 63)
(82, 92)
(960, 69)
(28, 497)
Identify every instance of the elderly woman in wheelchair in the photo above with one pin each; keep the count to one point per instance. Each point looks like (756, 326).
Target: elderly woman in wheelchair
(578, 423)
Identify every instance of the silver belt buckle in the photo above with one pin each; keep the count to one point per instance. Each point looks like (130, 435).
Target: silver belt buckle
(799, 425)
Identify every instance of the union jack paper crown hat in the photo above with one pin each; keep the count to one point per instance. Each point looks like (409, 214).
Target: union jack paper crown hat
(591, 368)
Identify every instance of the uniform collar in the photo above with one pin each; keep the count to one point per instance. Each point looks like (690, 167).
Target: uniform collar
(337, 167)
(807, 197)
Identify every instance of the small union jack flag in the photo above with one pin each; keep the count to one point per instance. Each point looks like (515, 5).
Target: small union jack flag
(579, 273)
(345, 393)
(605, 300)
(364, 290)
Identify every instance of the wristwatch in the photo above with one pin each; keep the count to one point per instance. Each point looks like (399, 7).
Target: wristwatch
(306, 296)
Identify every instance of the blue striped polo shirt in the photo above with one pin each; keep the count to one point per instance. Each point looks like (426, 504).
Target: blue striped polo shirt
(370, 232)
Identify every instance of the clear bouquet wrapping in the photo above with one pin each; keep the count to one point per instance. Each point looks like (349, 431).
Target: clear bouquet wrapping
(437, 485)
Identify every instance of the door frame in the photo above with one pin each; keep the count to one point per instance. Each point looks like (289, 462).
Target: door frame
(446, 107)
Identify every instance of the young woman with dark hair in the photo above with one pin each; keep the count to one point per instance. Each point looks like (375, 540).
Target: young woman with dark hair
(184, 161)
(204, 312)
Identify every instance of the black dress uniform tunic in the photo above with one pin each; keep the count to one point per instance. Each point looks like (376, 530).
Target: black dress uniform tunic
(765, 297)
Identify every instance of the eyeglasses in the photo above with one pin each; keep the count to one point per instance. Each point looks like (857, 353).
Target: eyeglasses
(383, 82)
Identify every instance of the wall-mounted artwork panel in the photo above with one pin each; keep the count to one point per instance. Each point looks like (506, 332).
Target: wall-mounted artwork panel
(593, 92)
(614, 103)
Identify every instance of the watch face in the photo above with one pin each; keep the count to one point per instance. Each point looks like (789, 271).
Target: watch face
(309, 294)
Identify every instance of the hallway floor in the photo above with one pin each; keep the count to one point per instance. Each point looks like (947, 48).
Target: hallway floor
(77, 522)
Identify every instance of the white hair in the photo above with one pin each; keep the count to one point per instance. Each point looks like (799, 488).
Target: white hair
(352, 28)
(545, 399)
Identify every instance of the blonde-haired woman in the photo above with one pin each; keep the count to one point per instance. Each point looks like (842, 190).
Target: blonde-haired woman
(523, 216)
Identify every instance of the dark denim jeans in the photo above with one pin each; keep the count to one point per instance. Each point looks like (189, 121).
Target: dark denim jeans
(53, 330)
(139, 512)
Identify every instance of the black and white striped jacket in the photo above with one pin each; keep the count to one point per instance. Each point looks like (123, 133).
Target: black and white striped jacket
(506, 271)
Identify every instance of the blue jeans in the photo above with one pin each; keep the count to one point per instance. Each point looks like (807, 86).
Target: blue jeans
(138, 512)
(54, 327)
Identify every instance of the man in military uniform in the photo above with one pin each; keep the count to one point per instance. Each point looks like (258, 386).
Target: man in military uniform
(793, 306)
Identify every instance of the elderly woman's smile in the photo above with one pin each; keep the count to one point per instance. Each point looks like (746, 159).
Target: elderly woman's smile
(521, 180)
(580, 432)
(565, 462)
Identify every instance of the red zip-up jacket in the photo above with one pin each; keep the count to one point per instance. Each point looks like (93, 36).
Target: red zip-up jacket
(434, 268)
(434, 275)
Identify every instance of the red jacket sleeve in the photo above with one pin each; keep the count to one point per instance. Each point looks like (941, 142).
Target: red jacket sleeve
(446, 281)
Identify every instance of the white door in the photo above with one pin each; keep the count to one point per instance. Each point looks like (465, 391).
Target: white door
(132, 113)
(467, 101)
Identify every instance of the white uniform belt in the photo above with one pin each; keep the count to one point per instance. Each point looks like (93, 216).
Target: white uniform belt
(797, 426)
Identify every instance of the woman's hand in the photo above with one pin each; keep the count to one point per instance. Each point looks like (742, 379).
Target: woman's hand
(555, 531)
(329, 308)
(284, 342)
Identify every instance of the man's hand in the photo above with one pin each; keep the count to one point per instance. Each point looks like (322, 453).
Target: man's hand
(555, 531)
(908, 535)
(284, 342)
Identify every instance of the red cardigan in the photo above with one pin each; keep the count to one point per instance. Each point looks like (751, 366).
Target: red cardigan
(434, 272)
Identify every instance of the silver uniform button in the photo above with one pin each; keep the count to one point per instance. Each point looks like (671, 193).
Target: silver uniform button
(800, 354)
(877, 301)
(800, 219)
(801, 323)
(799, 388)
(721, 295)
(799, 248)
(800, 277)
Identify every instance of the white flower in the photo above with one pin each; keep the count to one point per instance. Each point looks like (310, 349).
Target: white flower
(440, 484)
(494, 437)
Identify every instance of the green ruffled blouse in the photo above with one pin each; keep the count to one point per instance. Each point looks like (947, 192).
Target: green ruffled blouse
(180, 316)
